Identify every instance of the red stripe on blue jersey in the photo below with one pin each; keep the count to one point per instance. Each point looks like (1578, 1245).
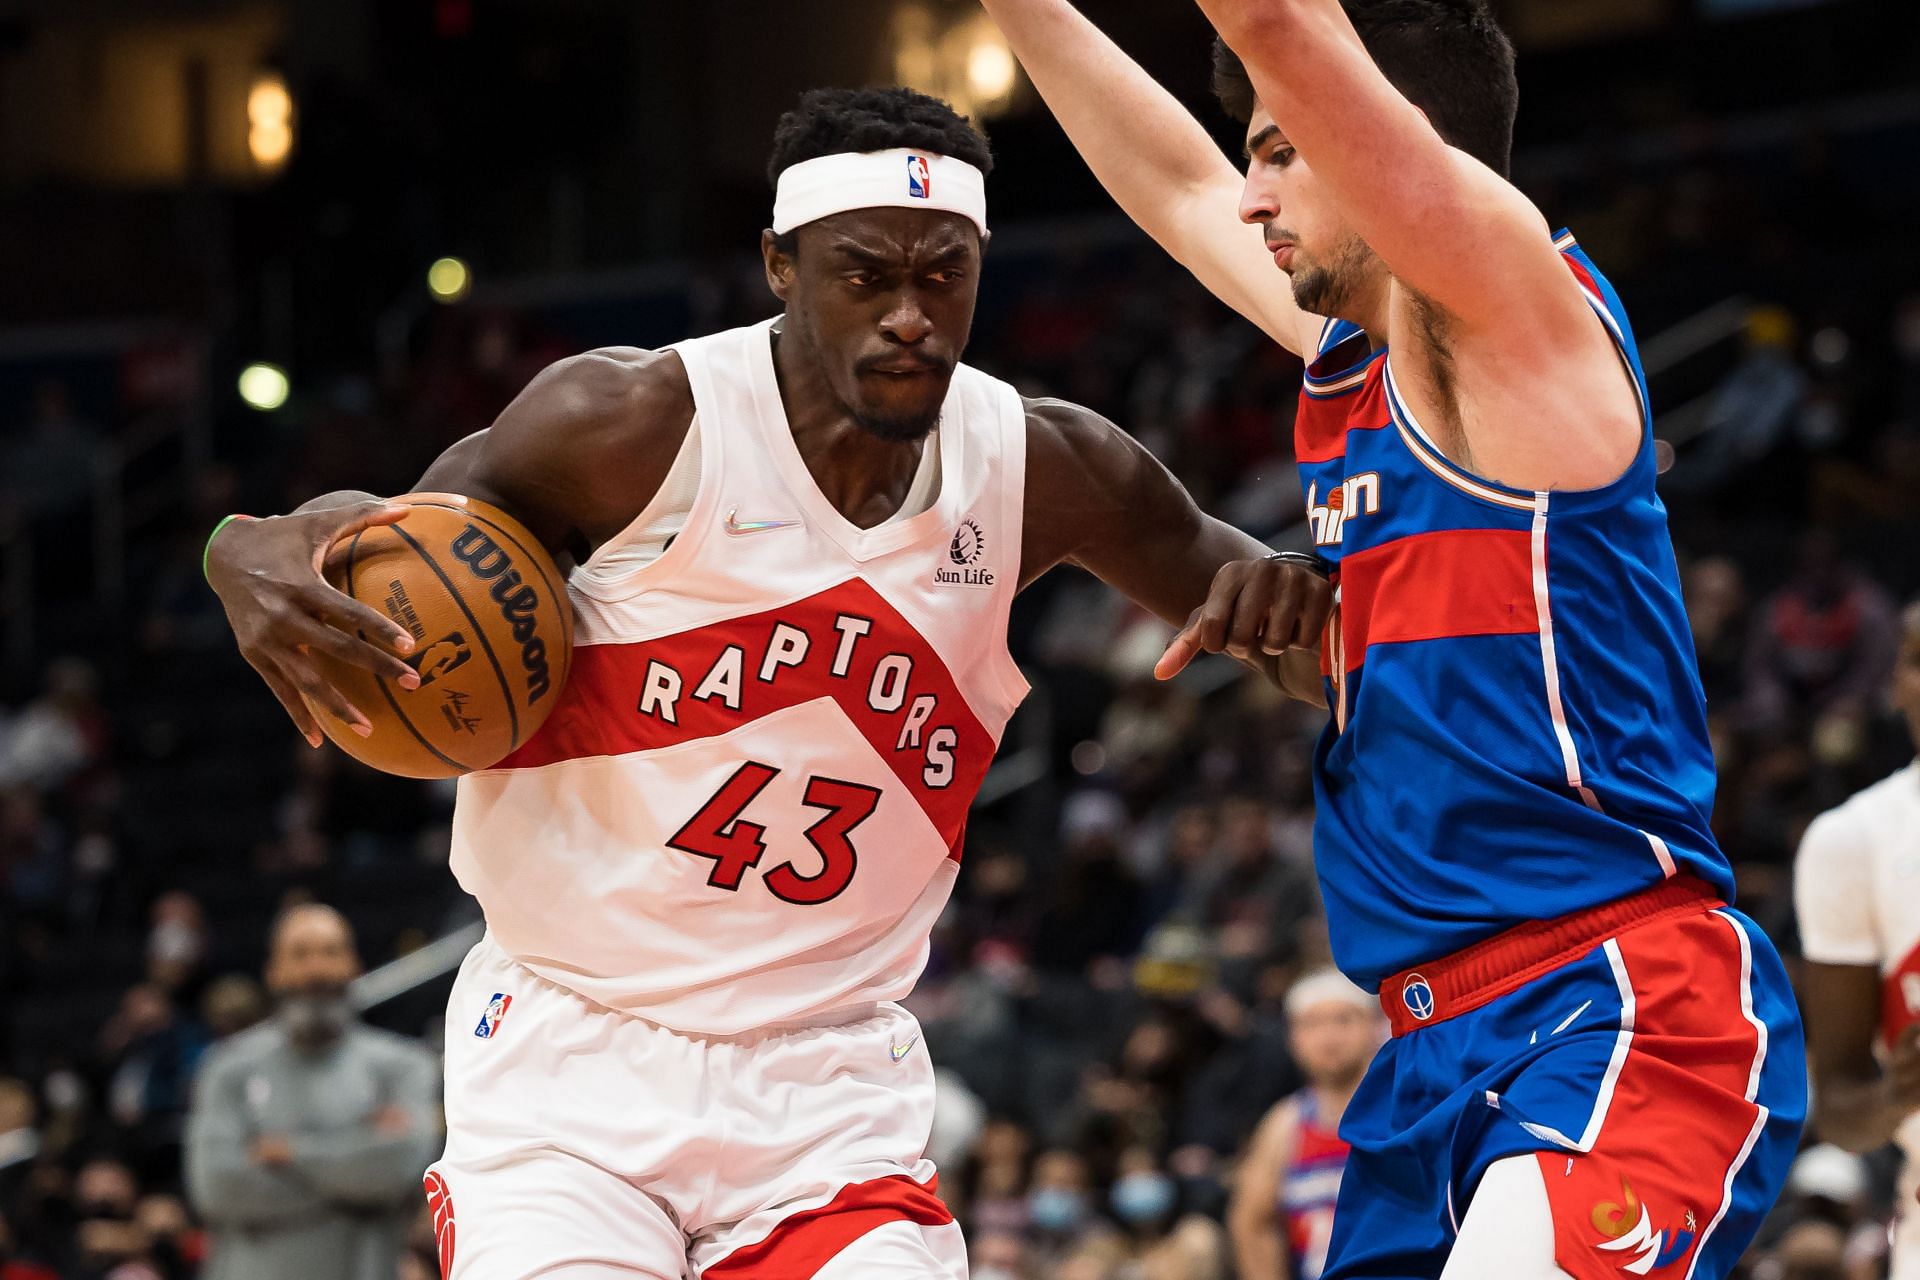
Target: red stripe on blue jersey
(1518, 727)
(1452, 582)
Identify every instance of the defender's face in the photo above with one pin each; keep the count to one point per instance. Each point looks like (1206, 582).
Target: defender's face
(1328, 262)
(883, 299)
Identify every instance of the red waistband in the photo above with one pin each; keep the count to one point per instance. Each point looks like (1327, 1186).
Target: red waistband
(1485, 971)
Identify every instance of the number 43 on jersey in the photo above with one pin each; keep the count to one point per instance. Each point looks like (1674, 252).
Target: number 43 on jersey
(736, 846)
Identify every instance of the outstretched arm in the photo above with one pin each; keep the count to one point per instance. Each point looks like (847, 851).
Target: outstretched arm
(1445, 224)
(1097, 499)
(1154, 159)
(1538, 396)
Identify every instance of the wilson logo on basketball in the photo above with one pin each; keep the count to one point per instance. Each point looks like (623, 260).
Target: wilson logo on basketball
(516, 599)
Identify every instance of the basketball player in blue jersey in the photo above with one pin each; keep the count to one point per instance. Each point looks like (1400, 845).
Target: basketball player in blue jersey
(1597, 1068)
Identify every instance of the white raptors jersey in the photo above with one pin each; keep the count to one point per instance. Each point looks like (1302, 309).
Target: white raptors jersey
(1856, 885)
(747, 806)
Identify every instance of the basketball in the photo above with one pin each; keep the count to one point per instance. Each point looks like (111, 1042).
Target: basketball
(492, 631)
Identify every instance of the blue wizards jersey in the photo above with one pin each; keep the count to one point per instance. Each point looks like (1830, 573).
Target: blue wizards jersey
(1518, 730)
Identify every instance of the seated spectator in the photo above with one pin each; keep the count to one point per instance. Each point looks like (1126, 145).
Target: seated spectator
(51, 465)
(13, 1267)
(1822, 645)
(150, 1051)
(19, 1147)
(61, 735)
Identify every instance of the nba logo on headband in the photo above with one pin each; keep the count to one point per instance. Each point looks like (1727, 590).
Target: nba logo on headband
(919, 178)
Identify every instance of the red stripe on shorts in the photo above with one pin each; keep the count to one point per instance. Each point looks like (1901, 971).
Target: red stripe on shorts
(440, 1202)
(1681, 1120)
(802, 1244)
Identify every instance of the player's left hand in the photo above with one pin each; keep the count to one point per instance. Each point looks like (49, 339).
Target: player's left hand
(1254, 607)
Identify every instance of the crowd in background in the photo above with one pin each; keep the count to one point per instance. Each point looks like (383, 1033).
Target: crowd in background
(1106, 994)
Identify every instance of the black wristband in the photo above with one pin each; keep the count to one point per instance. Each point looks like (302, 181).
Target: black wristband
(1305, 559)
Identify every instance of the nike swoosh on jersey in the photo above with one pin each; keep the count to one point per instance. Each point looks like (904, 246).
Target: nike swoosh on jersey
(900, 1051)
(739, 528)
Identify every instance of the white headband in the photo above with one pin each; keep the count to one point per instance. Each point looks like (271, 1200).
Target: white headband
(1326, 986)
(899, 179)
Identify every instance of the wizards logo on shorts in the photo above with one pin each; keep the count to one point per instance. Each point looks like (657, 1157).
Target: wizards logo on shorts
(1418, 995)
(919, 178)
(496, 1014)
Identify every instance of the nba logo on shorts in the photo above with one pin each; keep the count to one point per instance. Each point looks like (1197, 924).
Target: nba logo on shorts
(1418, 996)
(919, 178)
(496, 1013)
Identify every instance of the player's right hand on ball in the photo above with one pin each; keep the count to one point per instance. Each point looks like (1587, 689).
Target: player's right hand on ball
(270, 576)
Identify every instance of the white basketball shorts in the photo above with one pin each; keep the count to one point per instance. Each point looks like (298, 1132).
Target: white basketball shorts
(582, 1142)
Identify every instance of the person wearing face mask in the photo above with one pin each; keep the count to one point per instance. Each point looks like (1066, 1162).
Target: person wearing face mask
(310, 1132)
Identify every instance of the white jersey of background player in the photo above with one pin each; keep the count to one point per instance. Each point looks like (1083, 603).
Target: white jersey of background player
(1857, 889)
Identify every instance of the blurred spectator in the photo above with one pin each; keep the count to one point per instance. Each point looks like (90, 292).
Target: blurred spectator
(19, 1138)
(1716, 594)
(1282, 1211)
(1823, 644)
(60, 735)
(1060, 1210)
(13, 1267)
(1754, 410)
(1812, 1250)
(177, 943)
(1095, 910)
(231, 1005)
(51, 464)
(149, 1052)
(311, 1132)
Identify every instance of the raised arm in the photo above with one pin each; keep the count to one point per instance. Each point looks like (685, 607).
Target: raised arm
(1446, 225)
(1510, 365)
(1097, 499)
(1154, 159)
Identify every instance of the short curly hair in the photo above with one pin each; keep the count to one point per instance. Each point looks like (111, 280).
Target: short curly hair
(829, 122)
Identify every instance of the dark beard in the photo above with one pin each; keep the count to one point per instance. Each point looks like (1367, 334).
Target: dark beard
(896, 430)
(1325, 290)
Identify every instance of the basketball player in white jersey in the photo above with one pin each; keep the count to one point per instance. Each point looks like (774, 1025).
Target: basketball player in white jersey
(713, 872)
(1856, 885)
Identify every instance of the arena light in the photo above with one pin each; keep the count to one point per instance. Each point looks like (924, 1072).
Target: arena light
(991, 69)
(264, 386)
(269, 121)
(449, 280)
